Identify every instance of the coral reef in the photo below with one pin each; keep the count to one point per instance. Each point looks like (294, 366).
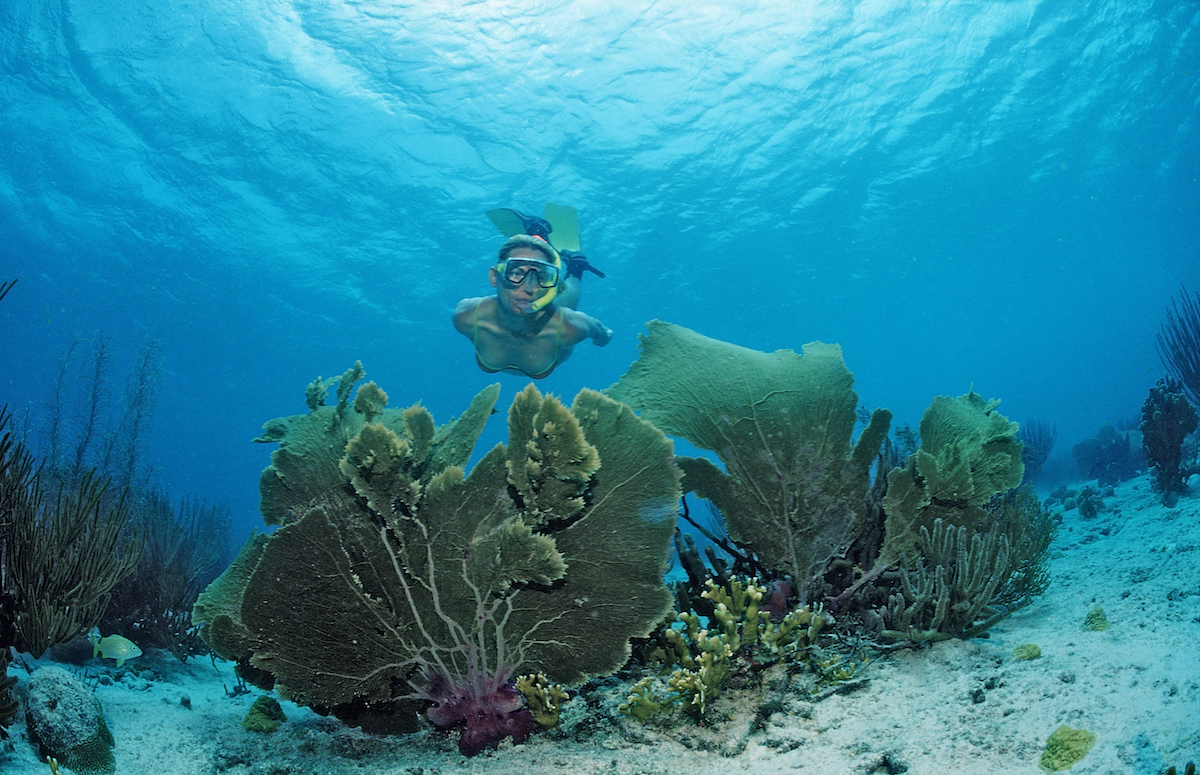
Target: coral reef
(1111, 456)
(968, 454)
(1167, 419)
(1178, 342)
(797, 498)
(67, 722)
(1065, 748)
(61, 555)
(946, 592)
(218, 612)
(183, 550)
(8, 703)
(441, 586)
(794, 483)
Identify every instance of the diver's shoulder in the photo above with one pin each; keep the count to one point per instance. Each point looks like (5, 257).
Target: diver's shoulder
(472, 307)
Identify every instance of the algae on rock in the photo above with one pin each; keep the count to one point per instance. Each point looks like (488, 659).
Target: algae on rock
(795, 486)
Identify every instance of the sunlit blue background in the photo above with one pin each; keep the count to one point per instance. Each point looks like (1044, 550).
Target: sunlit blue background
(1000, 195)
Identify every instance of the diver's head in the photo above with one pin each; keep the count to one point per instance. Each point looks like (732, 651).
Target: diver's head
(535, 243)
(528, 269)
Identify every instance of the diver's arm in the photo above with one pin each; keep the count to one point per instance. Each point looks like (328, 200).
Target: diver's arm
(568, 293)
(583, 326)
(464, 313)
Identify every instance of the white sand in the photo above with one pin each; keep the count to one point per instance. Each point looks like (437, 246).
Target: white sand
(958, 707)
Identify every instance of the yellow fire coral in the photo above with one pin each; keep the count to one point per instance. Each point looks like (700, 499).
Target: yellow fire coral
(706, 657)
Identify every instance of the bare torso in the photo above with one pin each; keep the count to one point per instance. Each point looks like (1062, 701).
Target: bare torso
(534, 350)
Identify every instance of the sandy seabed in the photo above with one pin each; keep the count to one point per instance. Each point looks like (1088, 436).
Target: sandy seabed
(956, 707)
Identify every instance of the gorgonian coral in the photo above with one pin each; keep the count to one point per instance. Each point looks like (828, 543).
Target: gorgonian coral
(795, 482)
(398, 582)
(1167, 418)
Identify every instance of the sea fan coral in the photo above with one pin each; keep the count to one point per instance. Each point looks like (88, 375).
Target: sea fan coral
(399, 583)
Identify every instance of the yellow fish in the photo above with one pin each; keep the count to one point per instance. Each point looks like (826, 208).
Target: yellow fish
(116, 647)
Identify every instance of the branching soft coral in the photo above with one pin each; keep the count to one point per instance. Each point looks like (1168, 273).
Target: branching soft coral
(1167, 418)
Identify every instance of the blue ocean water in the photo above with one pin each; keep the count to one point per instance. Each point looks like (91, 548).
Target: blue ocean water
(992, 195)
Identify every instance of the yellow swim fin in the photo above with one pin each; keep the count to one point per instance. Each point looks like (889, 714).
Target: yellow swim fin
(565, 223)
(507, 220)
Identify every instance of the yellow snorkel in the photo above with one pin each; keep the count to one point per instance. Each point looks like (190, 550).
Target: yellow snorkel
(550, 294)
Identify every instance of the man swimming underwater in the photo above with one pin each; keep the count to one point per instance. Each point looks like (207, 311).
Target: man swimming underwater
(531, 325)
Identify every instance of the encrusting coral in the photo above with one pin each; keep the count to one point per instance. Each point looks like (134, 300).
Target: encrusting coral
(1096, 621)
(265, 715)
(441, 586)
(1027, 652)
(782, 424)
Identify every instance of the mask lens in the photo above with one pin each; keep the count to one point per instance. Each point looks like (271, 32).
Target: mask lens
(516, 271)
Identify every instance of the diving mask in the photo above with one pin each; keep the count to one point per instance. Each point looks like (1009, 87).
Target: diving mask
(516, 271)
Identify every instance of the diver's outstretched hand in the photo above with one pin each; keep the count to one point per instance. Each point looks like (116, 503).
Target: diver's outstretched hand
(577, 264)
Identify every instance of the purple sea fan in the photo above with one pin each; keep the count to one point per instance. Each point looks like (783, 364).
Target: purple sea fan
(489, 708)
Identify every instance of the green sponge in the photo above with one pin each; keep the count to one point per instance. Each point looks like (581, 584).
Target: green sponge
(1027, 651)
(1065, 748)
(1096, 620)
(264, 715)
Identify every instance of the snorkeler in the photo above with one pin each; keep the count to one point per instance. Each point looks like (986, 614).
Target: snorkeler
(531, 325)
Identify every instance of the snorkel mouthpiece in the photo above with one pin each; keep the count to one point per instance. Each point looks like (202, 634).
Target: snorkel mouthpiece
(546, 299)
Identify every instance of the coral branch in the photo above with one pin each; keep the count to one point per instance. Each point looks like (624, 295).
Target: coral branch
(1178, 342)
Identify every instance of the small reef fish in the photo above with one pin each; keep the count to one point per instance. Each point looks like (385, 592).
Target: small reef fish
(116, 647)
